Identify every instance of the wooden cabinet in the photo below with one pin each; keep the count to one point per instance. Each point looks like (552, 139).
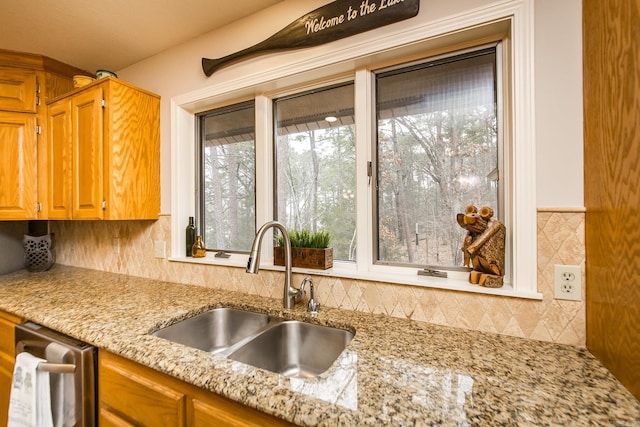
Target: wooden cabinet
(18, 90)
(59, 161)
(18, 156)
(7, 360)
(131, 394)
(104, 145)
(26, 82)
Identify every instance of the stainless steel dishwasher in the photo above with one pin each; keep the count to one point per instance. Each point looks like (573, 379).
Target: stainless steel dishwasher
(72, 367)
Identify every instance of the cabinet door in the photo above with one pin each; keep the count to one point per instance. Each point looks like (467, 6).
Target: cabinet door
(59, 161)
(129, 393)
(219, 412)
(7, 360)
(87, 154)
(109, 419)
(17, 91)
(18, 178)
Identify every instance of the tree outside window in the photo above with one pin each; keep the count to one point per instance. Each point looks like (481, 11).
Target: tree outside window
(315, 164)
(437, 152)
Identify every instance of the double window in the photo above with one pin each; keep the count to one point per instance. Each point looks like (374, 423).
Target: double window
(435, 148)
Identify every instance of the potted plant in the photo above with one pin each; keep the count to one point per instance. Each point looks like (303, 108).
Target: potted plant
(308, 249)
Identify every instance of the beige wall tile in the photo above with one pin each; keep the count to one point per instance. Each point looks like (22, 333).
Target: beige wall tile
(560, 241)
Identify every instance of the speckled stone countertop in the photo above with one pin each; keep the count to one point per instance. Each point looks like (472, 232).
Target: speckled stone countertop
(394, 372)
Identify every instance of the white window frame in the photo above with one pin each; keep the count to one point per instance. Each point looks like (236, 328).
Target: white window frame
(338, 65)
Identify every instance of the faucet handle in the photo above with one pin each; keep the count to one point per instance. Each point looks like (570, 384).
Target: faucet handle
(313, 304)
(313, 307)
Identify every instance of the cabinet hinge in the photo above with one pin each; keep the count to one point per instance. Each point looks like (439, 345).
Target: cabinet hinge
(38, 130)
(103, 103)
(104, 205)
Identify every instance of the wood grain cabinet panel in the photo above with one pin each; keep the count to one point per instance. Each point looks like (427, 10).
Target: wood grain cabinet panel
(7, 360)
(87, 154)
(18, 155)
(59, 161)
(109, 419)
(611, 52)
(18, 90)
(132, 394)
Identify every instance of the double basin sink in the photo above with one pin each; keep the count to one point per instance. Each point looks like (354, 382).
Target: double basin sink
(287, 347)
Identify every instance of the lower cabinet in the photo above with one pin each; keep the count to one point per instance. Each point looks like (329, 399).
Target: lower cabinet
(130, 394)
(7, 360)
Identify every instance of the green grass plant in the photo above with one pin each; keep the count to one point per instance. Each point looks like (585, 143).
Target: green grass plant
(306, 239)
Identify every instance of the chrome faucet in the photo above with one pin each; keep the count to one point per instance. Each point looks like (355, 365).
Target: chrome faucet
(290, 294)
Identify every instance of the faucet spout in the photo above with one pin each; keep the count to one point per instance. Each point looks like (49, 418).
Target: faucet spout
(253, 265)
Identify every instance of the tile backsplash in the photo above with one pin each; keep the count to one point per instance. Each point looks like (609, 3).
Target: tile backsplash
(560, 241)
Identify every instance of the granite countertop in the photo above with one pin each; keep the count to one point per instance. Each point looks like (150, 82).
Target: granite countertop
(394, 371)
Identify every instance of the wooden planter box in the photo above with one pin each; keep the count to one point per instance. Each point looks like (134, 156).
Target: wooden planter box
(305, 257)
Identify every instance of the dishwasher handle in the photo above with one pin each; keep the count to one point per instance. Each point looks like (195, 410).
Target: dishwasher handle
(57, 368)
(53, 368)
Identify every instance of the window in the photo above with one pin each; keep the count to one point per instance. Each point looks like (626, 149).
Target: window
(437, 152)
(227, 176)
(483, 130)
(315, 164)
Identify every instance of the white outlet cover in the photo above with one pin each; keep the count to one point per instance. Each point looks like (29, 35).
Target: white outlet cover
(564, 288)
(160, 248)
(115, 245)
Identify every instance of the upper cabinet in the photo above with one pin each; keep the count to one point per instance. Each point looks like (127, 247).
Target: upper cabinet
(87, 153)
(26, 82)
(104, 153)
(18, 174)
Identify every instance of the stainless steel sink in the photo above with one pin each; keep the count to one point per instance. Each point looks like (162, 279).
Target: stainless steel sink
(287, 347)
(294, 349)
(215, 330)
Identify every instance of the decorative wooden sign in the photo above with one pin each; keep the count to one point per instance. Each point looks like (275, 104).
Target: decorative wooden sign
(334, 21)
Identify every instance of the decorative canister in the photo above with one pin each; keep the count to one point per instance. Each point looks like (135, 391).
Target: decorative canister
(38, 252)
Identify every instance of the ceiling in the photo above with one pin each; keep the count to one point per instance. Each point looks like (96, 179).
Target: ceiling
(112, 34)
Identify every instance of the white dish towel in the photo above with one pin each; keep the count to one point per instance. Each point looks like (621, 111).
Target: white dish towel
(30, 403)
(63, 396)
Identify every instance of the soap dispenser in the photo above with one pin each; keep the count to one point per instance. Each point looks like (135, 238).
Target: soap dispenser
(199, 250)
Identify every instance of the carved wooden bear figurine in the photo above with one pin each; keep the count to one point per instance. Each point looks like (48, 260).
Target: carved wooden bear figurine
(483, 246)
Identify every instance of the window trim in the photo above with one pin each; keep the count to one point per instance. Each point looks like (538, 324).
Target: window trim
(407, 41)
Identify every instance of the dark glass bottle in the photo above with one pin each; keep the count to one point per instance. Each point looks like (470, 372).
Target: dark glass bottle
(190, 235)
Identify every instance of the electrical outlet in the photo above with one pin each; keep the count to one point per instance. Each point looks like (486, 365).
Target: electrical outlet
(115, 245)
(567, 282)
(160, 248)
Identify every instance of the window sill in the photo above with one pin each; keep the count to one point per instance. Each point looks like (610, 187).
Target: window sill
(346, 270)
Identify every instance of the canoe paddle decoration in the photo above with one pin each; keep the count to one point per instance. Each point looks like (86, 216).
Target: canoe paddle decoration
(334, 21)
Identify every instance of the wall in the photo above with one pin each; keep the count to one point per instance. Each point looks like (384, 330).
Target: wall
(11, 249)
(612, 159)
(558, 80)
(560, 234)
